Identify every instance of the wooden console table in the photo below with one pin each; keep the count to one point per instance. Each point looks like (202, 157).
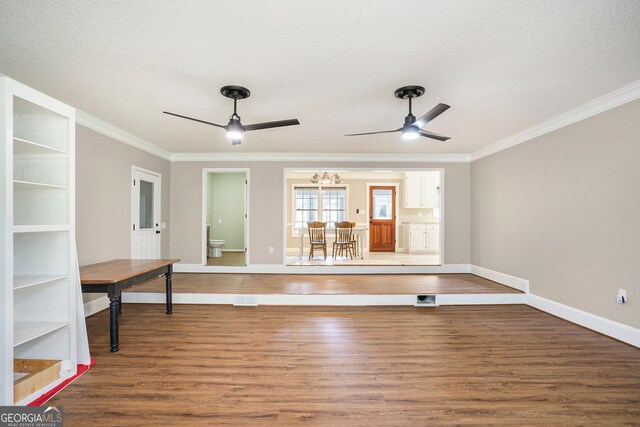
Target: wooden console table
(112, 277)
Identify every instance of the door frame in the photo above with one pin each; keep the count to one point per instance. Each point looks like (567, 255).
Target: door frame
(365, 245)
(157, 194)
(203, 225)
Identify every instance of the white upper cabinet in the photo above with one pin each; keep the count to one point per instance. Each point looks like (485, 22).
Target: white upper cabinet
(421, 189)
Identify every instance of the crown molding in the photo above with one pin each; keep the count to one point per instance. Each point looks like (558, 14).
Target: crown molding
(118, 134)
(321, 157)
(611, 100)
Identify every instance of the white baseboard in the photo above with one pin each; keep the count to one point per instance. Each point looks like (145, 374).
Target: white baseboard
(605, 326)
(324, 269)
(96, 306)
(336, 300)
(504, 279)
(619, 331)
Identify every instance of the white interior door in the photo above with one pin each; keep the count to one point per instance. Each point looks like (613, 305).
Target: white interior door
(145, 215)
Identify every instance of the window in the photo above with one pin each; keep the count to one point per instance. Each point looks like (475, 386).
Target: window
(327, 204)
(306, 206)
(333, 205)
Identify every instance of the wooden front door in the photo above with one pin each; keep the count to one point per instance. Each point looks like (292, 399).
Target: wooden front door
(382, 219)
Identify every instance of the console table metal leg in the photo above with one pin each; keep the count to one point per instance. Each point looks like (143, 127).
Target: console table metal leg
(113, 323)
(169, 291)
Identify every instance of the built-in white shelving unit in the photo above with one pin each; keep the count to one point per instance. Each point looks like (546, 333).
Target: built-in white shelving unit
(38, 293)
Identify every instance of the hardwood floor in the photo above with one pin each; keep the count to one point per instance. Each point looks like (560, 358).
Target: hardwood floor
(328, 284)
(228, 258)
(491, 365)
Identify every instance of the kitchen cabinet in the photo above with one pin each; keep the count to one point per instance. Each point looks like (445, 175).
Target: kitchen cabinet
(419, 237)
(433, 238)
(421, 189)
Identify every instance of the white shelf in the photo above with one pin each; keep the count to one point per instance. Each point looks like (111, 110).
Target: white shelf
(25, 331)
(27, 280)
(23, 146)
(26, 185)
(39, 228)
(41, 296)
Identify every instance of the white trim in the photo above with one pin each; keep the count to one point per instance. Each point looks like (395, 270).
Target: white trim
(118, 134)
(316, 299)
(611, 100)
(346, 175)
(321, 157)
(619, 331)
(96, 305)
(504, 279)
(323, 269)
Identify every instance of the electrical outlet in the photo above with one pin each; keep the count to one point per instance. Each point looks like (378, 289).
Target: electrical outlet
(622, 296)
(270, 249)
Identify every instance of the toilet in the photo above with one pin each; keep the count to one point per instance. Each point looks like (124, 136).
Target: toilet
(215, 248)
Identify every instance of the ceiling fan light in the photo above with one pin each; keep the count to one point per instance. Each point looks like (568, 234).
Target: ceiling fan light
(234, 133)
(410, 132)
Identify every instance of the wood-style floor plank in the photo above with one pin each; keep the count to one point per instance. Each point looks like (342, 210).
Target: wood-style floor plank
(328, 284)
(224, 365)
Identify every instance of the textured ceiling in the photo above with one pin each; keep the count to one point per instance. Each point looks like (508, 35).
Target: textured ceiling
(503, 66)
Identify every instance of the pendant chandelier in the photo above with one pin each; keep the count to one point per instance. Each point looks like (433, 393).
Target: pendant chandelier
(325, 178)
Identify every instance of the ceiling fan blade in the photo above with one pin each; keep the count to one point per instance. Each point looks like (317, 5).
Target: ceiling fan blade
(374, 133)
(432, 114)
(267, 125)
(195, 120)
(433, 135)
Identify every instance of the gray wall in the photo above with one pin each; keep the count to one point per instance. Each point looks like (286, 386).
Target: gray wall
(266, 198)
(103, 196)
(563, 211)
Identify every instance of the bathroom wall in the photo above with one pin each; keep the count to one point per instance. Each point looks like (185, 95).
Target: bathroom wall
(225, 210)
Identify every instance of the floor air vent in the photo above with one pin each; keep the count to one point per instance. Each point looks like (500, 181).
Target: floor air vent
(245, 300)
(426, 301)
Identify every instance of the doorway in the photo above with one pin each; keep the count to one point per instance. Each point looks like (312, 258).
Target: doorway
(145, 214)
(225, 217)
(382, 218)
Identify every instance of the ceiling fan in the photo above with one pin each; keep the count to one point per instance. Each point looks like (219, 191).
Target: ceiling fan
(235, 129)
(412, 127)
